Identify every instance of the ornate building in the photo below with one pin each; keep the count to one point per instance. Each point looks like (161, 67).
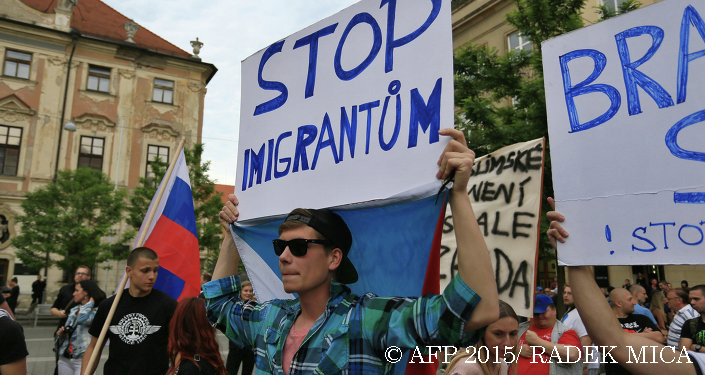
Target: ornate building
(484, 22)
(83, 85)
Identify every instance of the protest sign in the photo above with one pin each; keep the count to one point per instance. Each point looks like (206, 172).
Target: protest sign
(346, 110)
(625, 110)
(505, 191)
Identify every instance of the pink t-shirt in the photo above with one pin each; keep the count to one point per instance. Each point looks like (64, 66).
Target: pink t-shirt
(292, 344)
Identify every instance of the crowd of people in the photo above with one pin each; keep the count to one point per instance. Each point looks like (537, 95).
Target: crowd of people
(327, 329)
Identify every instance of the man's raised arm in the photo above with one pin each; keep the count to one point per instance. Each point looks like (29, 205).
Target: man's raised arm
(228, 258)
(474, 264)
(601, 324)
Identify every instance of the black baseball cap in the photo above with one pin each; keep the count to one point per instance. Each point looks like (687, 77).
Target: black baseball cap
(333, 228)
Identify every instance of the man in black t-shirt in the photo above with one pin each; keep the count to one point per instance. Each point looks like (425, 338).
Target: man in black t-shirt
(13, 350)
(693, 333)
(622, 303)
(139, 330)
(64, 300)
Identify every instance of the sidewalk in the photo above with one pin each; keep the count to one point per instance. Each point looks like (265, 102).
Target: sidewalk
(41, 357)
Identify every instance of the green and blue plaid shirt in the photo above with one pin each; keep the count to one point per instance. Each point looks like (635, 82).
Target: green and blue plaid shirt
(351, 336)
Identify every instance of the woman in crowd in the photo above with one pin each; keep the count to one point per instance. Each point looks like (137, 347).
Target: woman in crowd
(658, 301)
(235, 353)
(73, 337)
(192, 347)
(496, 340)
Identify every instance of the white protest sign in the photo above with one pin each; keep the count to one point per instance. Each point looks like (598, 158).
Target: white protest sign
(346, 110)
(505, 191)
(626, 105)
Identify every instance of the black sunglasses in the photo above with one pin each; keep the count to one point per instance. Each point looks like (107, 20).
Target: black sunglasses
(298, 246)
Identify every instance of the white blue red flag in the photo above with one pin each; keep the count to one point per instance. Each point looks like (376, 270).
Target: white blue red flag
(395, 250)
(172, 233)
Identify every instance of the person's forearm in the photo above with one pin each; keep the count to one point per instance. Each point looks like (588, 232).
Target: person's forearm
(601, 323)
(84, 362)
(653, 335)
(56, 312)
(474, 264)
(566, 355)
(18, 367)
(228, 259)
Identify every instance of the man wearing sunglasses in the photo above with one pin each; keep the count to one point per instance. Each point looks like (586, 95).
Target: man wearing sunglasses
(327, 329)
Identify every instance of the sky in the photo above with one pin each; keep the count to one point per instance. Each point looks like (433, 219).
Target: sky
(231, 30)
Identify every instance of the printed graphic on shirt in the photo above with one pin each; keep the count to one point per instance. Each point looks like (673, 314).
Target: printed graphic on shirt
(133, 328)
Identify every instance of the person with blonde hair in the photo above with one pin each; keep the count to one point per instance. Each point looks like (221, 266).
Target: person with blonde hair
(658, 300)
(496, 341)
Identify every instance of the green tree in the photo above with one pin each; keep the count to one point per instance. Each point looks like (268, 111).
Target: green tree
(69, 221)
(501, 98)
(206, 201)
(624, 7)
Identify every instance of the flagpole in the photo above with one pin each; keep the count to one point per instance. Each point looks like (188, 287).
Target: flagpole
(140, 241)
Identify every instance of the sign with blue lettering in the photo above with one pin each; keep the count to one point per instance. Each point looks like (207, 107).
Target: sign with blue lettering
(626, 114)
(347, 110)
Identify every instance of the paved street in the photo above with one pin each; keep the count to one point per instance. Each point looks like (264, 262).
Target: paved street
(41, 357)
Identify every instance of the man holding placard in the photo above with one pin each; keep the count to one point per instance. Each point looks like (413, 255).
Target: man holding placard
(327, 329)
(139, 329)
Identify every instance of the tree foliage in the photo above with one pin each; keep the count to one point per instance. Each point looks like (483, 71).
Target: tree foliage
(206, 202)
(500, 97)
(71, 219)
(624, 7)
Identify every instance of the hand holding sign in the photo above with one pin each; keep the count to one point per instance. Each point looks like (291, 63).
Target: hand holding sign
(630, 88)
(346, 102)
(456, 159)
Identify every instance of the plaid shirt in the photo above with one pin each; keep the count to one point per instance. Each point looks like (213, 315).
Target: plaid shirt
(350, 337)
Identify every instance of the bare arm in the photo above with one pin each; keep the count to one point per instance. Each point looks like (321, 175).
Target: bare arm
(474, 264)
(57, 313)
(685, 343)
(229, 258)
(602, 325)
(569, 355)
(653, 335)
(87, 357)
(18, 367)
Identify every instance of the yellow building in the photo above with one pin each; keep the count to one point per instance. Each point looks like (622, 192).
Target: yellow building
(83, 85)
(484, 23)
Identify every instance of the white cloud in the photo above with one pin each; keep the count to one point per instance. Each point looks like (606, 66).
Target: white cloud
(231, 31)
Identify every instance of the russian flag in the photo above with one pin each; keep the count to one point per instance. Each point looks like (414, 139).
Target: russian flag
(395, 250)
(171, 231)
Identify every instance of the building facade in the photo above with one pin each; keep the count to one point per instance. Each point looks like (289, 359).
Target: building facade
(484, 23)
(84, 86)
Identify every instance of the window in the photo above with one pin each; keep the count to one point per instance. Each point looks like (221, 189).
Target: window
(91, 153)
(153, 153)
(98, 79)
(612, 5)
(518, 42)
(17, 64)
(163, 91)
(10, 138)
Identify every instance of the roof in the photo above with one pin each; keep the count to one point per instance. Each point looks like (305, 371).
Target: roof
(95, 18)
(224, 191)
